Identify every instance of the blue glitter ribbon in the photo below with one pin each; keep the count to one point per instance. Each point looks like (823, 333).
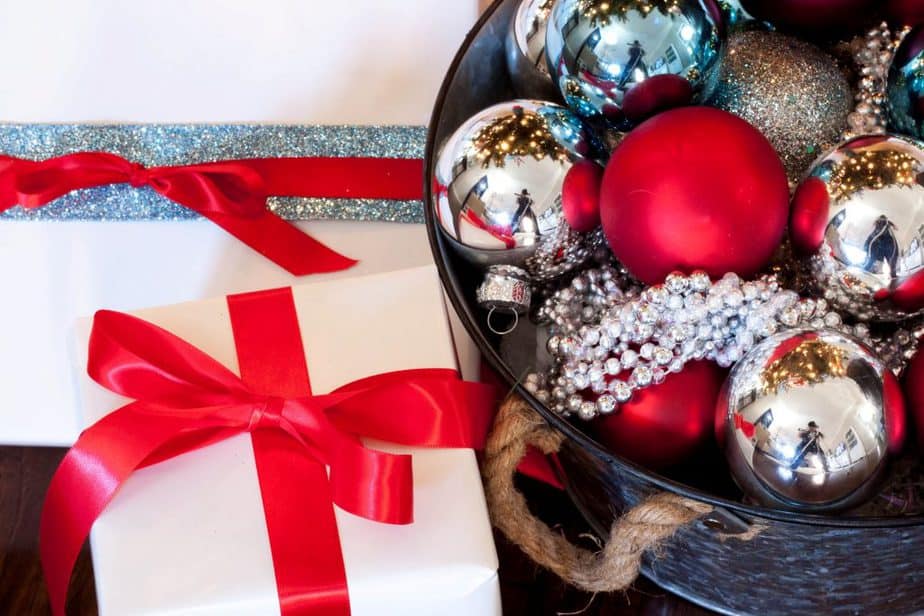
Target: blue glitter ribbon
(185, 144)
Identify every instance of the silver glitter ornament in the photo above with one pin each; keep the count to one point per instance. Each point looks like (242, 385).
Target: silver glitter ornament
(525, 50)
(600, 50)
(498, 188)
(859, 216)
(790, 90)
(807, 419)
(906, 86)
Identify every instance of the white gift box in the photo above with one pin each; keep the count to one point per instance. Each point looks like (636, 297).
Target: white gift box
(363, 62)
(188, 536)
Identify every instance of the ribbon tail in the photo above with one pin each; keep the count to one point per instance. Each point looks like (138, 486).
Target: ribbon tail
(88, 478)
(303, 535)
(283, 243)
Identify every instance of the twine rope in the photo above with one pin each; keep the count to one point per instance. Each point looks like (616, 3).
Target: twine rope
(616, 566)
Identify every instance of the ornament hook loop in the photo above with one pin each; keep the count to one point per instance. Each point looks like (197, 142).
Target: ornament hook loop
(503, 332)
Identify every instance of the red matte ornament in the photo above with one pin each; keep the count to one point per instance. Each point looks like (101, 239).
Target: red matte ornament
(580, 196)
(665, 424)
(825, 17)
(656, 94)
(810, 208)
(905, 12)
(913, 384)
(694, 188)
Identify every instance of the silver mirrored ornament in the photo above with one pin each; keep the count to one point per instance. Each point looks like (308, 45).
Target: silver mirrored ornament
(600, 50)
(806, 421)
(735, 15)
(906, 86)
(525, 50)
(859, 216)
(498, 188)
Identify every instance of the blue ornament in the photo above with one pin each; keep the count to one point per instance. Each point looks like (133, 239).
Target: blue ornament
(600, 52)
(906, 86)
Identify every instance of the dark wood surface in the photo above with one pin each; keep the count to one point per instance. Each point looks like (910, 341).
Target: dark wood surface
(526, 588)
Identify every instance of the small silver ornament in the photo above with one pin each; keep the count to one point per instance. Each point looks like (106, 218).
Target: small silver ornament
(498, 188)
(807, 419)
(860, 216)
(599, 50)
(906, 86)
(525, 50)
(790, 90)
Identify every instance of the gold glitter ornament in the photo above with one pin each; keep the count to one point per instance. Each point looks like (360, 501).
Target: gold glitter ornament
(790, 90)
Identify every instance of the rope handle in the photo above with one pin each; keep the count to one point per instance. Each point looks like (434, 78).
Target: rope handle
(615, 567)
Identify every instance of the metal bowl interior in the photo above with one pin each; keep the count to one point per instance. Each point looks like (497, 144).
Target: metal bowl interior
(477, 79)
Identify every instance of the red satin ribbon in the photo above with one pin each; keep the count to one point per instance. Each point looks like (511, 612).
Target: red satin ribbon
(232, 194)
(184, 400)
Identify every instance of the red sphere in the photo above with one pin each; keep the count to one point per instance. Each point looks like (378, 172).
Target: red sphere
(580, 196)
(694, 188)
(905, 12)
(665, 424)
(827, 17)
(913, 383)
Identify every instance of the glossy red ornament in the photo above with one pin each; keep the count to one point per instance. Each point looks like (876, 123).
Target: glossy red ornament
(656, 94)
(825, 17)
(667, 423)
(694, 188)
(580, 196)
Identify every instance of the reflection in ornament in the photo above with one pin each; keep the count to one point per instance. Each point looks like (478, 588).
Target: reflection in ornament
(809, 420)
(514, 135)
(601, 50)
(809, 363)
(858, 219)
(498, 188)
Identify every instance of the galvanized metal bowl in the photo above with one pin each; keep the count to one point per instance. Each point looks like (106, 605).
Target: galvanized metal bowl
(798, 563)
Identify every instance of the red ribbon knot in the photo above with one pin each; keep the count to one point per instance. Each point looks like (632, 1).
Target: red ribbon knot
(267, 415)
(139, 175)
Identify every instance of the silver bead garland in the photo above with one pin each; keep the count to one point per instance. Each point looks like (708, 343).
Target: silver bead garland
(602, 326)
(873, 55)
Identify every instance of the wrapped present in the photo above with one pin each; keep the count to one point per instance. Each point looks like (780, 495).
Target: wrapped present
(211, 423)
(169, 85)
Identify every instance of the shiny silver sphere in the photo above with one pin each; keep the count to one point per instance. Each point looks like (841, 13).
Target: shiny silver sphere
(600, 50)
(498, 187)
(806, 421)
(859, 216)
(525, 50)
(906, 86)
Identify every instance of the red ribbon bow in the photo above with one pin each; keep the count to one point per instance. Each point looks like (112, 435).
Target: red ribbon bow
(232, 194)
(185, 399)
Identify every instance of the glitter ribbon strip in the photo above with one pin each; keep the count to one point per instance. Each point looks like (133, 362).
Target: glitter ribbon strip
(184, 144)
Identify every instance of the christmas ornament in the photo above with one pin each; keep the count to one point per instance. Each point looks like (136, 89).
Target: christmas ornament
(906, 86)
(580, 196)
(694, 188)
(810, 418)
(905, 12)
(498, 188)
(791, 91)
(667, 423)
(600, 50)
(913, 382)
(525, 50)
(859, 220)
(821, 17)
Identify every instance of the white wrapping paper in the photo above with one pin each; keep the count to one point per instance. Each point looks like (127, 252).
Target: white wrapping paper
(187, 536)
(370, 62)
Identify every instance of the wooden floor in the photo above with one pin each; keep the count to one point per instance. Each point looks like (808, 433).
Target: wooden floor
(26, 472)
